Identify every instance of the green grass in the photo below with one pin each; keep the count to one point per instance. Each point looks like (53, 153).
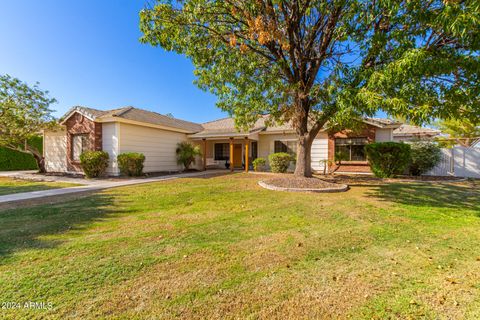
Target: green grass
(10, 186)
(224, 248)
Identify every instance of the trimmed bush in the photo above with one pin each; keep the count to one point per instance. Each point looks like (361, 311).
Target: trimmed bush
(186, 153)
(131, 163)
(279, 162)
(94, 163)
(388, 159)
(16, 160)
(259, 164)
(424, 156)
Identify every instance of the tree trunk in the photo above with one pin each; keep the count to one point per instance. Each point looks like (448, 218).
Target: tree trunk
(303, 166)
(40, 162)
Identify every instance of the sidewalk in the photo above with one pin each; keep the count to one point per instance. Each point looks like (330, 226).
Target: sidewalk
(95, 185)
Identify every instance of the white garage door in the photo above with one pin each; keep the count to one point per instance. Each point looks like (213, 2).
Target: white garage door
(55, 151)
(319, 151)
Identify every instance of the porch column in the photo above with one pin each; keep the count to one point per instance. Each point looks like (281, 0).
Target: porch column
(246, 154)
(231, 154)
(204, 154)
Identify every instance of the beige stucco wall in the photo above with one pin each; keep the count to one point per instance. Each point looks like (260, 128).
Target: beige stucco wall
(55, 150)
(383, 135)
(266, 146)
(157, 145)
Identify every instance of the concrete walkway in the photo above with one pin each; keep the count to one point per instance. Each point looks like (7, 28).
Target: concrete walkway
(97, 185)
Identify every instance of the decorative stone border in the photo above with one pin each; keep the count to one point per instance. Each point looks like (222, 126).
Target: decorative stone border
(340, 188)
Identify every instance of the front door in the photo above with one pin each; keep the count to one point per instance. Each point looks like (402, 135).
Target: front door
(237, 155)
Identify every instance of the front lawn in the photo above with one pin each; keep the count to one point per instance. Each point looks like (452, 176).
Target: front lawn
(223, 247)
(9, 185)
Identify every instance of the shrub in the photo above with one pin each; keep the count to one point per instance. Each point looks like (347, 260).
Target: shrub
(388, 159)
(94, 163)
(131, 163)
(279, 162)
(259, 164)
(424, 156)
(16, 160)
(186, 153)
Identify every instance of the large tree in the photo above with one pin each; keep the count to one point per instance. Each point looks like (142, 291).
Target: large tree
(24, 112)
(313, 63)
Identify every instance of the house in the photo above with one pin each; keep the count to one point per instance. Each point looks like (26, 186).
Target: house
(407, 132)
(156, 136)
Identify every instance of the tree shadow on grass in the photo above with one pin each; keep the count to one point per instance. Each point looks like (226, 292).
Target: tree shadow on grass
(21, 229)
(465, 196)
(12, 189)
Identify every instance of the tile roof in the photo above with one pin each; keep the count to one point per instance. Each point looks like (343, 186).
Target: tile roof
(225, 126)
(140, 115)
(410, 130)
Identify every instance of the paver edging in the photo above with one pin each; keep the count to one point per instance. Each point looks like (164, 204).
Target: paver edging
(340, 188)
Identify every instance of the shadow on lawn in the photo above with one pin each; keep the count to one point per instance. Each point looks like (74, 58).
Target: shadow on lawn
(429, 195)
(21, 229)
(4, 190)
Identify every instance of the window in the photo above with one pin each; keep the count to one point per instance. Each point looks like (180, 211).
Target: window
(79, 145)
(254, 150)
(350, 149)
(222, 151)
(289, 147)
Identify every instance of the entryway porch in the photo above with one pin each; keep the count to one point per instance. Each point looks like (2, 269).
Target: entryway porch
(230, 152)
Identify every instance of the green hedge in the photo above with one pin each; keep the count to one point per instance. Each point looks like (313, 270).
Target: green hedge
(15, 160)
(131, 163)
(94, 163)
(279, 162)
(388, 159)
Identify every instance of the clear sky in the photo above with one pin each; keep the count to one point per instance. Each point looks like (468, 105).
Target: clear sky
(87, 52)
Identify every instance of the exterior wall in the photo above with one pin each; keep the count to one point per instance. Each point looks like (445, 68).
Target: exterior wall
(79, 124)
(351, 166)
(383, 135)
(266, 144)
(157, 145)
(55, 150)
(110, 133)
(319, 151)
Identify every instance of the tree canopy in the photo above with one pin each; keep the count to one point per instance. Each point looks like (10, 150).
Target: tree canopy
(460, 131)
(24, 112)
(313, 63)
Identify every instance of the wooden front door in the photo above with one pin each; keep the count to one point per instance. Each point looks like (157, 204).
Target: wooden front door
(237, 155)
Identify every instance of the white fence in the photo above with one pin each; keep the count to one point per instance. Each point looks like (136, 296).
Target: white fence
(458, 162)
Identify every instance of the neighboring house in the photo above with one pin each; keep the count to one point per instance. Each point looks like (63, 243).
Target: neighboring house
(156, 136)
(407, 132)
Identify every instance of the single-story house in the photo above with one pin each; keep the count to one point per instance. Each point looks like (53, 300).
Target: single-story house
(156, 136)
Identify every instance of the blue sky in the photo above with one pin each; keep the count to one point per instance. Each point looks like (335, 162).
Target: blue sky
(87, 53)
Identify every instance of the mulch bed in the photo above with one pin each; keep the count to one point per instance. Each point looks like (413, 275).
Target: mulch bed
(292, 183)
